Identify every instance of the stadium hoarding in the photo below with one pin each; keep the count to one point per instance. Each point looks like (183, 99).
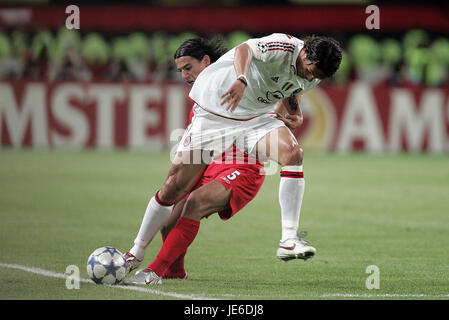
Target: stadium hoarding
(254, 19)
(152, 115)
(103, 115)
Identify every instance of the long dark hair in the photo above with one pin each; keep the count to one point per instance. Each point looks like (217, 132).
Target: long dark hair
(199, 47)
(324, 52)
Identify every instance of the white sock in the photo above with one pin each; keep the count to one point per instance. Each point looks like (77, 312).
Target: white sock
(155, 217)
(291, 192)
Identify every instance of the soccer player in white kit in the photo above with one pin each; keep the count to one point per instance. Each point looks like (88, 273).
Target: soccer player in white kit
(235, 98)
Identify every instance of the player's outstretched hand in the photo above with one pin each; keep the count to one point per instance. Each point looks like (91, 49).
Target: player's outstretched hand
(292, 121)
(233, 96)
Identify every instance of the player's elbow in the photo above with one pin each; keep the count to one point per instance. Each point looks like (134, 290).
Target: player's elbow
(244, 50)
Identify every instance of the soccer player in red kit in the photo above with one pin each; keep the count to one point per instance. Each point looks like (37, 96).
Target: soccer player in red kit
(230, 182)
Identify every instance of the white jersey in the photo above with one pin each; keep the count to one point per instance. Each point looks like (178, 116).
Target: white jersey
(272, 77)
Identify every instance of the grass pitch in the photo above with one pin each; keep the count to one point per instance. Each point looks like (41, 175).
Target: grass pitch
(390, 211)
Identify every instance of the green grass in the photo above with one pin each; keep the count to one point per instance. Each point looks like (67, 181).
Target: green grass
(391, 211)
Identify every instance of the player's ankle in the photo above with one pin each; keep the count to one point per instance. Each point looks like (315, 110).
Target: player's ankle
(138, 252)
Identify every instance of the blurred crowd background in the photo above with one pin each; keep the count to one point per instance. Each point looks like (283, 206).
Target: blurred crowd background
(390, 93)
(413, 57)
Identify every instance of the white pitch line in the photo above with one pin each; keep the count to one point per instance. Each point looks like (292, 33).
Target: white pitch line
(385, 295)
(52, 274)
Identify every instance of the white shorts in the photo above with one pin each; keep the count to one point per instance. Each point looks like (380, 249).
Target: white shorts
(216, 134)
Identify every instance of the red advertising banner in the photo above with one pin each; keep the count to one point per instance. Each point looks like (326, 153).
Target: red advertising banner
(256, 19)
(73, 114)
(153, 115)
(376, 119)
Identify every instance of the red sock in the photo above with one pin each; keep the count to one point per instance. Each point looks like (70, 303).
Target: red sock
(177, 242)
(176, 269)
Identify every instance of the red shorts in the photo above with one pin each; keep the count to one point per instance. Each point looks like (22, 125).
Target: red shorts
(244, 179)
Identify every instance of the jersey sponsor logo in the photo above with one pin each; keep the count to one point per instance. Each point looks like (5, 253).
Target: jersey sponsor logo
(279, 95)
(275, 95)
(270, 96)
(260, 99)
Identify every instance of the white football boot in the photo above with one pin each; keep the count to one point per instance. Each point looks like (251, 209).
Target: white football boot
(295, 248)
(144, 276)
(152, 278)
(132, 261)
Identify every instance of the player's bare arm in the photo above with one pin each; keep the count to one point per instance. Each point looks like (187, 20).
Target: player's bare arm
(289, 111)
(242, 60)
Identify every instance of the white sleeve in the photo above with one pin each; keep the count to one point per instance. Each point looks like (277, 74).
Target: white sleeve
(274, 47)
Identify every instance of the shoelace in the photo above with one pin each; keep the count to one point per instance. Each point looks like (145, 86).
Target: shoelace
(301, 235)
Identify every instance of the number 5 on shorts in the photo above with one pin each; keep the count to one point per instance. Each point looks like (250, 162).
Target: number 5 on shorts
(233, 175)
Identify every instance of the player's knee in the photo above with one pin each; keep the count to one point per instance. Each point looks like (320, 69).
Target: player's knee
(193, 206)
(171, 190)
(291, 154)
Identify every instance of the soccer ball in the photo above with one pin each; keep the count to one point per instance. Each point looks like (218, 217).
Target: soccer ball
(106, 265)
